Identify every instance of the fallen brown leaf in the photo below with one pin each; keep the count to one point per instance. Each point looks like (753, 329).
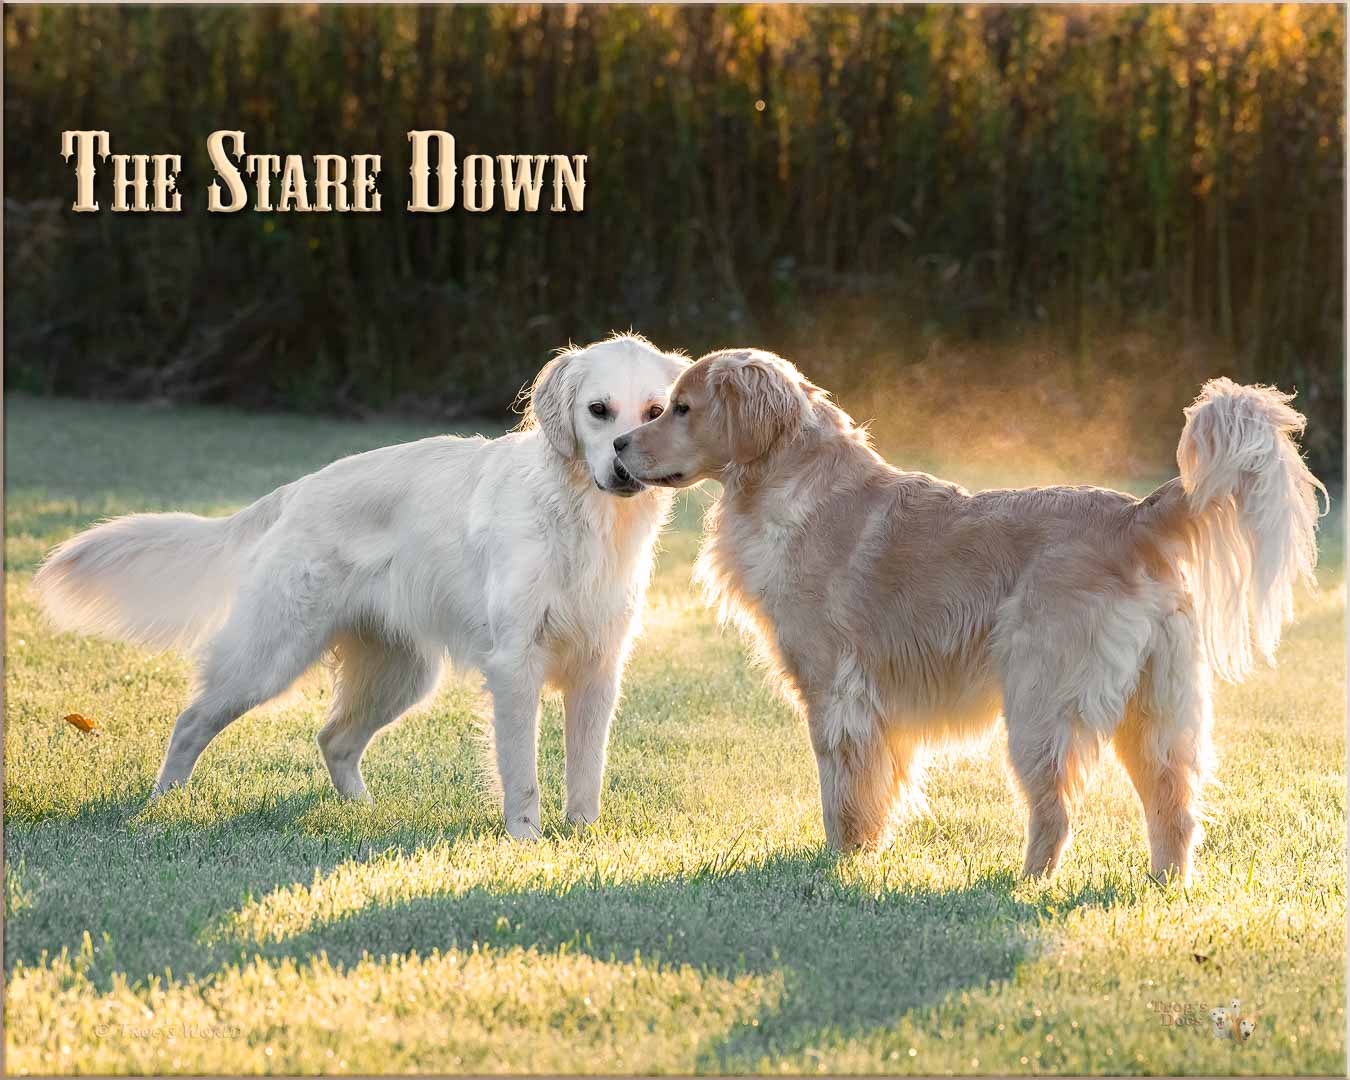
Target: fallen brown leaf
(82, 722)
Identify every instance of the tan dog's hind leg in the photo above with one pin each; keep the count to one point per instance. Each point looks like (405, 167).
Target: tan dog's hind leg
(1070, 644)
(1052, 762)
(1165, 747)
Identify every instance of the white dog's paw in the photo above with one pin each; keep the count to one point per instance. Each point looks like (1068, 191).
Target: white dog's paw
(523, 829)
(351, 787)
(583, 817)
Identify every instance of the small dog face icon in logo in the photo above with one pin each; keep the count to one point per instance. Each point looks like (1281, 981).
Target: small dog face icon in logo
(1231, 1023)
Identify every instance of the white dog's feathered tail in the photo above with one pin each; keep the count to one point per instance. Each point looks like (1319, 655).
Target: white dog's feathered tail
(1246, 511)
(161, 580)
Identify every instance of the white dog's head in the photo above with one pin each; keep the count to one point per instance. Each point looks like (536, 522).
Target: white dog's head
(585, 397)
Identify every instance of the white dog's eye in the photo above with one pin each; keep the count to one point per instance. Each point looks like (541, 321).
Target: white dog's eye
(680, 408)
(599, 409)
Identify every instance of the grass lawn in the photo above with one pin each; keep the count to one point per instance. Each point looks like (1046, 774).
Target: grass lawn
(256, 923)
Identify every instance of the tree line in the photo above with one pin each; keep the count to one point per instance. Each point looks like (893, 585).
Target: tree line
(861, 181)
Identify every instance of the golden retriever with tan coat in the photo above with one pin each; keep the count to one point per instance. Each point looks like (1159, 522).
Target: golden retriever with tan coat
(900, 610)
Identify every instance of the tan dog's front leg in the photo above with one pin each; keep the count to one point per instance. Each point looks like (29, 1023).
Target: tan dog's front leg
(860, 782)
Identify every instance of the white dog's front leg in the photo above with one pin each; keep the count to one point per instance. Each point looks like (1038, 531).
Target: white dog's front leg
(589, 705)
(515, 682)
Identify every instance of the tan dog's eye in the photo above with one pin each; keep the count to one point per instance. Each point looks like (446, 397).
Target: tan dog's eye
(654, 412)
(680, 408)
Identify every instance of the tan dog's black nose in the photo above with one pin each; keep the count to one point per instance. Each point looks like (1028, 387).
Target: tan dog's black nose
(621, 443)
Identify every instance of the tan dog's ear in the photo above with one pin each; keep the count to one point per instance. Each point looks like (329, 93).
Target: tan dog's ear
(552, 398)
(759, 397)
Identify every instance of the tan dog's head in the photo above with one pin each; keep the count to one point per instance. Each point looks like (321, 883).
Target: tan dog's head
(730, 408)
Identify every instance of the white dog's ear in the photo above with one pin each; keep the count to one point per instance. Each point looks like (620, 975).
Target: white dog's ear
(552, 399)
(678, 364)
(761, 397)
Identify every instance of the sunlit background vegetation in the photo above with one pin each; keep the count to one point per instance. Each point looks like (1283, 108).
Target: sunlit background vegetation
(973, 223)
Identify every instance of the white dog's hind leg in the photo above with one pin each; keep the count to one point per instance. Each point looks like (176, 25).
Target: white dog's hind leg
(515, 679)
(376, 683)
(253, 658)
(207, 716)
(589, 706)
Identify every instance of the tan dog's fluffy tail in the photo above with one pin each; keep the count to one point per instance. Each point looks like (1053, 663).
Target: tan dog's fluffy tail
(1245, 511)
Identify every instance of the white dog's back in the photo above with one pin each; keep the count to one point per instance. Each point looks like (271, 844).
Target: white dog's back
(169, 580)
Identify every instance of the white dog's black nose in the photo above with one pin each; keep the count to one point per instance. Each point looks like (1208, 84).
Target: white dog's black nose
(621, 443)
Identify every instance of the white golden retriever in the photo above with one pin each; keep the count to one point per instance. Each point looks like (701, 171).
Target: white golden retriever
(525, 557)
(899, 610)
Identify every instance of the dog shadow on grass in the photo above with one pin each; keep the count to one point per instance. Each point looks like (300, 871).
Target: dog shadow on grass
(139, 877)
(851, 959)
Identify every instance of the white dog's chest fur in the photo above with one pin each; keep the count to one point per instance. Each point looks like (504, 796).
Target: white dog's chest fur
(473, 546)
(592, 585)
